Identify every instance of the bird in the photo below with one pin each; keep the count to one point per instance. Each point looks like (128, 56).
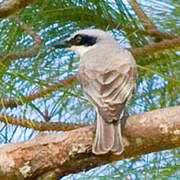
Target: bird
(107, 73)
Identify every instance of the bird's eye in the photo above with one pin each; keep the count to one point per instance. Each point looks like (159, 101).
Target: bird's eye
(78, 38)
(83, 39)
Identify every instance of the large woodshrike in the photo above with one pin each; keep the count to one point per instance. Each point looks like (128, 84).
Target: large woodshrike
(107, 73)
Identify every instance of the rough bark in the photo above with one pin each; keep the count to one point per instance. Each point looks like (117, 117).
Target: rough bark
(52, 156)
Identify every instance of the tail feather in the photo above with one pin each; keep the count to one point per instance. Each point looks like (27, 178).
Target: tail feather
(118, 146)
(107, 138)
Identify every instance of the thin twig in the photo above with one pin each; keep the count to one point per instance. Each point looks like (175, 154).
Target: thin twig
(147, 23)
(149, 26)
(40, 126)
(156, 47)
(158, 33)
(41, 93)
(30, 52)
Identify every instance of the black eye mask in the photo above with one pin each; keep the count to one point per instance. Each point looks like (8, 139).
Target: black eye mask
(77, 40)
(82, 39)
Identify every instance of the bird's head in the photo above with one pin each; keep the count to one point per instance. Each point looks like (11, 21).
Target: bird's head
(84, 40)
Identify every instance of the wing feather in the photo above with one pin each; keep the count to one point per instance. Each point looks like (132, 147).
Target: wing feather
(109, 90)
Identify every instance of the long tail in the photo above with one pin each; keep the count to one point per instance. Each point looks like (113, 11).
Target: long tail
(108, 137)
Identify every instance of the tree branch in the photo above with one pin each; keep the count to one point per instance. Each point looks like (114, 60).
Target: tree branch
(40, 126)
(158, 33)
(61, 154)
(9, 7)
(147, 23)
(41, 93)
(150, 28)
(156, 47)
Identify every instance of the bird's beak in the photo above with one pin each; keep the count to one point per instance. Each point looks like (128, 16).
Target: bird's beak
(62, 44)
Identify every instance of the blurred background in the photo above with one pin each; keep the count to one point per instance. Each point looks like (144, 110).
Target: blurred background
(158, 83)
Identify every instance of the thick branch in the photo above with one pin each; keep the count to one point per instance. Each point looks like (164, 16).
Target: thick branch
(8, 7)
(61, 154)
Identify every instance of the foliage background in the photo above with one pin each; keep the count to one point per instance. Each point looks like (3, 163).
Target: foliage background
(158, 83)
